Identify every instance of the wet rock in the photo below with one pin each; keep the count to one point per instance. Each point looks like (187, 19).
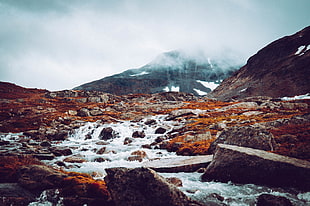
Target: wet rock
(138, 155)
(45, 144)
(175, 181)
(74, 159)
(138, 134)
(107, 133)
(61, 151)
(143, 187)
(179, 163)
(39, 177)
(248, 136)
(101, 151)
(246, 165)
(128, 140)
(150, 122)
(101, 159)
(160, 130)
(272, 200)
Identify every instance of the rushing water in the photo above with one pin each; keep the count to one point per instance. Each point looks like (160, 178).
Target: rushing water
(117, 154)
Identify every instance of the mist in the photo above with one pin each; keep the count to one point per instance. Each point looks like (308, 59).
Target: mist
(61, 44)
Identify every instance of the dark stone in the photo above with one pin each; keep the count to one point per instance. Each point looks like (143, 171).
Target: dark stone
(101, 159)
(45, 144)
(143, 187)
(106, 133)
(44, 156)
(101, 150)
(84, 112)
(138, 134)
(160, 130)
(127, 140)
(272, 200)
(14, 194)
(150, 122)
(61, 151)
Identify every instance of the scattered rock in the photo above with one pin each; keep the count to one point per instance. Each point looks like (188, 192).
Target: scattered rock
(138, 134)
(150, 122)
(128, 140)
(143, 187)
(101, 151)
(246, 165)
(45, 144)
(272, 200)
(138, 155)
(101, 159)
(175, 181)
(179, 113)
(107, 133)
(74, 159)
(61, 151)
(247, 136)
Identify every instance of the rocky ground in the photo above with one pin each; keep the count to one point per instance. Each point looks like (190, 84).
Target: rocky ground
(227, 129)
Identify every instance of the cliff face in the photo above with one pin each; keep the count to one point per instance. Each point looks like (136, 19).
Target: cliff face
(171, 71)
(280, 69)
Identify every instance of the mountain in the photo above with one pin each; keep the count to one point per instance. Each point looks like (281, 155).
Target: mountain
(171, 71)
(280, 69)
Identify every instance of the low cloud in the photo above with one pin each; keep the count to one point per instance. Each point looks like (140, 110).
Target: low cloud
(61, 44)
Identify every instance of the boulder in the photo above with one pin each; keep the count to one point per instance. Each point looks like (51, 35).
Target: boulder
(248, 136)
(101, 151)
(160, 130)
(14, 194)
(39, 177)
(58, 151)
(138, 155)
(175, 181)
(107, 133)
(138, 134)
(272, 200)
(74, 159)
(143, 187)
(247, 165)
(179, 113)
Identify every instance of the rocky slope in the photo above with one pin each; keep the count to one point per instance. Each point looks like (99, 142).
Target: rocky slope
(280, 69)
(171, 71)
(43, 119)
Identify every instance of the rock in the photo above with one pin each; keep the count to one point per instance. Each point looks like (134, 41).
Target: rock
(95, 111)
(138, 134)
(61, 151)
(160, 130)
(74, 159)
(84, 112)
(101, 151)
(45, 144)
(198, 137)
(39, 177)
(291, 106)
(244, 105)
(247, 136)
(107, 133)
(14, 194)
(179, 113)
(101, 159)
(175, 181)
(272, 200)
(127, 140)
(72, 112)
(143, 187)
(179, 164)
(138, 155)
(246, 165)
(150, 122)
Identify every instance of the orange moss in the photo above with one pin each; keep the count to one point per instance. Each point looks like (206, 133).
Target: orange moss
(85, 186)
(293, 140)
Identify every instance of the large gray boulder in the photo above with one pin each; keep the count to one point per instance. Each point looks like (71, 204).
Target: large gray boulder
(246, 165)
(248, 136)
(143, 187)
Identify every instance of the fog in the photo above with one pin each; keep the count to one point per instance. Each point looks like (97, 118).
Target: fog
(56, 44)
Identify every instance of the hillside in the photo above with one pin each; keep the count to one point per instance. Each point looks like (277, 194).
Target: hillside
(280, 69)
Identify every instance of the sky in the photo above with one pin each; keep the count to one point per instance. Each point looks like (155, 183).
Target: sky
(60, 44)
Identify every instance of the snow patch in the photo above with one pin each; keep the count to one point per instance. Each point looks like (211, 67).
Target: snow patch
(171, 89)
(140, 74)
(304, 96)
(243, 90)
(211, 85)
(199, 92)
(302, 50)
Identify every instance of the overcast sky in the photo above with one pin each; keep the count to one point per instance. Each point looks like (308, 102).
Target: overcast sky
(60, 44)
